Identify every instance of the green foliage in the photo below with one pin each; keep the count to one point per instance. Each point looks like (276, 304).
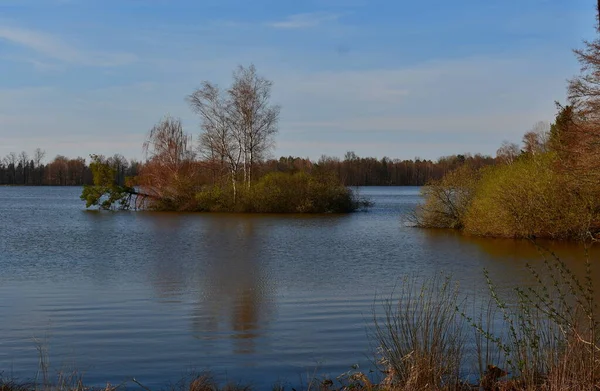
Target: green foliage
(526, 199)
(105, 193)
(215, 198)
(301, 193)
(447, 200)
(279, 192)
(530, 197)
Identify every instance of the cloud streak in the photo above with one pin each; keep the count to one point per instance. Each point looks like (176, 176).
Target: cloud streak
(305, 21)
(52, 47)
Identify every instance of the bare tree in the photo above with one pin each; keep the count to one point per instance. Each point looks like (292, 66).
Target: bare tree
(508, 152)
(168, 143)
(170, 174)
(254, 119)
(38, 156)
(218, 143)
(581, 144)
(239, 125)
(536, 140)
(11, 160)
(542, 129)
(24, 164)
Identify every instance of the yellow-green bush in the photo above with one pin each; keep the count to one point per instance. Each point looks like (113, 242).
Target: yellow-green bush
(524, 199)
(447, 200)
(279, 192)
(214, 199)
(301, 192)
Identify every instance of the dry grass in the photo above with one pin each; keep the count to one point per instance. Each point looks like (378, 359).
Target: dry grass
(545, 336)
(421, 336)
(205, 382)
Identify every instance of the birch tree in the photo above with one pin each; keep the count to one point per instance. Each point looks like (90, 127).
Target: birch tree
(239, 124)
(508, 152)
(218, 143)
(254, 119)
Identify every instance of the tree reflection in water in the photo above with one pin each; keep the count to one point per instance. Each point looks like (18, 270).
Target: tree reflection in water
(234, 284)
(219, 265)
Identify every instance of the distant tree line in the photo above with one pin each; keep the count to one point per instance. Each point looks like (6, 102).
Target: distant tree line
(21, 169)
(367, 171)
(231, 153)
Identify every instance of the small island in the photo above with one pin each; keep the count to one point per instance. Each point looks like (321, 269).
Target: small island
(222, 173)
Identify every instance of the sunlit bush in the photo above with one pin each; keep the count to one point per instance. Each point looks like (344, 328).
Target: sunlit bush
(300, 192)
(447, 200)
(279, 192)
(527, 198)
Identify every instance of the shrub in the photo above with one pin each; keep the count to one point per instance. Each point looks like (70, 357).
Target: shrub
(447, 200)
(279, 192)
(301, 192)
(214, 198)
(527, 199)
(543, 336)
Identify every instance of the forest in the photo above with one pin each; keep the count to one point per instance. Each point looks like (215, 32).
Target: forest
(25, 170)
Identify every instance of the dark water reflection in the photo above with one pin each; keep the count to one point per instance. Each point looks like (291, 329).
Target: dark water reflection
(255, 298)
(509, 257)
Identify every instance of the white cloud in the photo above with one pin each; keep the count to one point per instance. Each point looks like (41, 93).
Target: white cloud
(306, 20)
(54, 48)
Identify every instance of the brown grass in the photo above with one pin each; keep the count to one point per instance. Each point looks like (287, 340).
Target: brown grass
(421, 336)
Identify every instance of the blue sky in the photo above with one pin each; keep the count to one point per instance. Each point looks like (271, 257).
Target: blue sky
(390, 78)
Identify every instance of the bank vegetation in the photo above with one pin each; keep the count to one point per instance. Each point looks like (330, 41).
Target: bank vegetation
(547, 187)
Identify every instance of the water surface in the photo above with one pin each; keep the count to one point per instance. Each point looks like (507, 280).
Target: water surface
(254, 298)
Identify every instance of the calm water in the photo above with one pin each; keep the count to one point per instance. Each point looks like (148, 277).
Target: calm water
(254, 298)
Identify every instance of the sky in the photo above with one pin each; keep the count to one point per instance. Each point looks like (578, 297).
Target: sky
(396, 78)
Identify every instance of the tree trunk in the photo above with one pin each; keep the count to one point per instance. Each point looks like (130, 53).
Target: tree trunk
(233, 184)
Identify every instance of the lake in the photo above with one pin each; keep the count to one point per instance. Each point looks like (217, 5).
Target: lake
(253, 298)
